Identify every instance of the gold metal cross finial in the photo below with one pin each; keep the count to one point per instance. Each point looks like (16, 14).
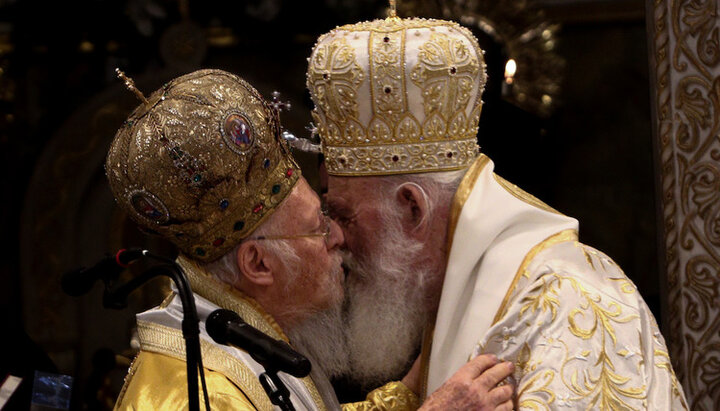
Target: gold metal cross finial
(392, 12)
(130, 84)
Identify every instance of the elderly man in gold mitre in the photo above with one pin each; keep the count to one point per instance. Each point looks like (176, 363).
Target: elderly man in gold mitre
(446, 254)
(202, 163)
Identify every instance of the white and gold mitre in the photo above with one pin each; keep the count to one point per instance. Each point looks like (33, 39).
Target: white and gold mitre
(397, 96)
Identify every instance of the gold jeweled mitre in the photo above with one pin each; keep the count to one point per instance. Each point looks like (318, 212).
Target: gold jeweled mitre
(202, 163)
(397, 96)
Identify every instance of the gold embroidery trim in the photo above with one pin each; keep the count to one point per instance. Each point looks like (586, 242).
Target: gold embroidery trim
(425, 357)
(522, 195)
(126, 382)
(391, 396)
(383, 159)
(169, 341)
(227, 297)
(387, 75)
(389, 25)
(335, 76)
(462, 194)
(562, 236)
(445, 71)
(248, 309)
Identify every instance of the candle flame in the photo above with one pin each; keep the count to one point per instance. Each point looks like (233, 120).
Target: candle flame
(510, 69)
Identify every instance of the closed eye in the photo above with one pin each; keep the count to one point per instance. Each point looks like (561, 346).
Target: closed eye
(340, 214)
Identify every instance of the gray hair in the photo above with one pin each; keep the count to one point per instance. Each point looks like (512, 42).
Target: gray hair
(226, 269)
(436, 188)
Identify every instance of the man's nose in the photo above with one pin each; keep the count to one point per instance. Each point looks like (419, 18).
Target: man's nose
(337, 238)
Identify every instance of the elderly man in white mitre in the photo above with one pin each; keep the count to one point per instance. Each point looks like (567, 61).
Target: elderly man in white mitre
(448, 255)
(202, 162)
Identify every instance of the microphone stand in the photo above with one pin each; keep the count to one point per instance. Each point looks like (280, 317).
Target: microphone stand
(276, 389)
(117, 299)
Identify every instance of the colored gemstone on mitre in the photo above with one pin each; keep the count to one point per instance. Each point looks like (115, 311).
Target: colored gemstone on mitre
(258, 208)
(289, 172)
(200, 251)
(239, 225)
(149, 207)
(224, 204)
(218, 242)
(276, 188)
(266, 163)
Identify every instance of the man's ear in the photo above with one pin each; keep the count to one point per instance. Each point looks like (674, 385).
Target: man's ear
(416, 211)
(252, 259)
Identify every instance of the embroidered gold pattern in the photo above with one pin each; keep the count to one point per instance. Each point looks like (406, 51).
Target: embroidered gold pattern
(523, 195)
(387, 85)
(535, 393)
(600, 367)
(592, 256)
(400, 159)
(159, 170)
(335, 76)
(445, 72)
(563, 236)
(169, 341)
(391, 396)
(601, 382)
(367, 123)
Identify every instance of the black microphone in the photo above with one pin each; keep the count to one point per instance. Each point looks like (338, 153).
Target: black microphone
(227, 328)
(81, 280)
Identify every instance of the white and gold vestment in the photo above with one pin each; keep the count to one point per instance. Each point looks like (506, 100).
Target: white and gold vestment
(520, 285)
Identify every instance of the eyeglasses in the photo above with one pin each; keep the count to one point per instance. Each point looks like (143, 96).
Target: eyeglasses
(325, 234)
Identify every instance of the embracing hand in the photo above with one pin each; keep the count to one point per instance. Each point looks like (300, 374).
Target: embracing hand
(475, 387)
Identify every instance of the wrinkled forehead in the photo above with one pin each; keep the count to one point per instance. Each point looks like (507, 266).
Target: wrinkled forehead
(302, 205)
(352, 191)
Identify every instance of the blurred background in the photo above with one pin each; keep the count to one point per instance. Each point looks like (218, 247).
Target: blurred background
(566, 117)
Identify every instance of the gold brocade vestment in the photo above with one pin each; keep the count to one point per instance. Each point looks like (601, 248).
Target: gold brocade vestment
(157, 379)
(521, 286)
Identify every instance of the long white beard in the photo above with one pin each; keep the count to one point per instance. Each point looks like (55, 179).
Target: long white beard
(320, 337)
(385, 309)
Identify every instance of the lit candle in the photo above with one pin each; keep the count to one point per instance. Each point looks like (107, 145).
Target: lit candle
(510, 69)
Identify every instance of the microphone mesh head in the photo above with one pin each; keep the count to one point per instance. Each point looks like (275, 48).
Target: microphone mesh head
(217, 324)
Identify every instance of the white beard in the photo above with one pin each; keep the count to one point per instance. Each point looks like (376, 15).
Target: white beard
(320, 337)
(385, 308)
